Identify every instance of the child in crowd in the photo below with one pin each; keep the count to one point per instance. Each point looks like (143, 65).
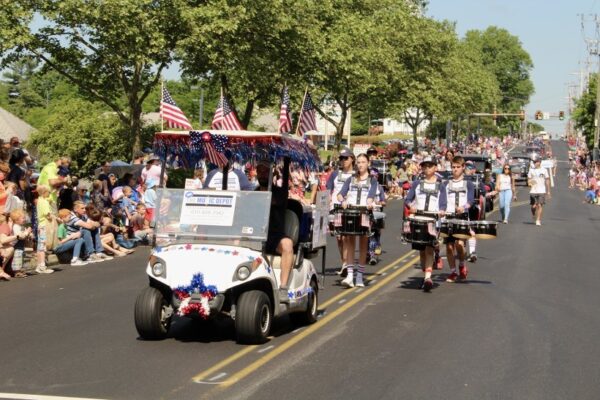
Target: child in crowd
(109, 232)
(12, 201)
(69, 241)
(90, 232)
(128, 204)
(22, 233)
(45, 217)
(150, 198)
(141, 224)
(97, 196)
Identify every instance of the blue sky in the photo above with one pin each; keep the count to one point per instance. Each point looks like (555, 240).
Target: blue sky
(550, 31)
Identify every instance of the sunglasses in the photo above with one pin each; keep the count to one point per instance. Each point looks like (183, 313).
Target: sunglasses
(506, 168)
(344, 158)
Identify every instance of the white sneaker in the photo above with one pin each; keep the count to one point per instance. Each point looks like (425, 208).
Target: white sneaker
(538, 223)
(103, 256)
(93, 258)
(505, 222)
(359, 280)
(42, 269)
(349, 281)
(77, 262)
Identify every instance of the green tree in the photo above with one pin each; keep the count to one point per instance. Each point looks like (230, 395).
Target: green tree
(83, 131)
(114, 51)
(585, 110)
(503, 54)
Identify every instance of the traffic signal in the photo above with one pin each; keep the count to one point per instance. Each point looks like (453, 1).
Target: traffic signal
(561, 115)
(522, 115)
(539, 115)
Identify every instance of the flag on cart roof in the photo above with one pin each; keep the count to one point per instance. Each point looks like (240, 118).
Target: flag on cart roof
(225, 118)
(308, 121)
(285, 119)
(172, 114)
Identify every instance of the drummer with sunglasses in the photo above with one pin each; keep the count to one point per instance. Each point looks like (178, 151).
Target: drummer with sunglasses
(460, 194)
(427, 196)
(334, 186)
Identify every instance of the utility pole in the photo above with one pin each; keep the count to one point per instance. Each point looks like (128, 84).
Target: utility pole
(593, 48)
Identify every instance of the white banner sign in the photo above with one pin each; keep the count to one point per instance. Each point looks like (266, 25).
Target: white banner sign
(360, 148)
(207, 207)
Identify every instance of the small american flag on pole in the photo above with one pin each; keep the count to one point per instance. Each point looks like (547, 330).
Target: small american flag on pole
(225, 118)
(308, 121)
(172, 114)
(285, 119)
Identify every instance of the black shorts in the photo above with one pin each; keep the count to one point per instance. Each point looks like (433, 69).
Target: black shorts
(537, 199)
(420, 246)
(273, 240)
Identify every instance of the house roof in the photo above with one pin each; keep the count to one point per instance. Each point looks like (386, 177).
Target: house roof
(11, 125)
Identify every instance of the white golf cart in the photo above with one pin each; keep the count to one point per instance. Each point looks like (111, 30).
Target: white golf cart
(209, 258)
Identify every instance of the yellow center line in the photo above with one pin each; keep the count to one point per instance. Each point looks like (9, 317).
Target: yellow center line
(223, 363)
(313, 328)
(377, 273)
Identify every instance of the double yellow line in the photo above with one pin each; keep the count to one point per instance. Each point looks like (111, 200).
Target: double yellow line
(309, 330)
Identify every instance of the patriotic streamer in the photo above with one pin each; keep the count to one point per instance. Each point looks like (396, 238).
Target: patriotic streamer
(197, 286)
(268, 148)
(211, 146)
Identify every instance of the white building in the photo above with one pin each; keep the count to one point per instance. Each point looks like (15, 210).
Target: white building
(392, 126)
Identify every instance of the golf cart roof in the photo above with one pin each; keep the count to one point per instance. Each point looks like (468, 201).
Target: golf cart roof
(235, 145)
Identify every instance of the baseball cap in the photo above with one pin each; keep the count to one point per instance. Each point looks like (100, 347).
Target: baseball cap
(346, 153)
(428, 160)
(371, 149)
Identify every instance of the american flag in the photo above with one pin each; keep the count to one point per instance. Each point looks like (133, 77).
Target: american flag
(225, 118)
(308, 120)
(285, 119)
(172, 114)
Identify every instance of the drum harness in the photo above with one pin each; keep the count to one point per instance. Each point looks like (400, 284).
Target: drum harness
(457, 192)
(428, 192)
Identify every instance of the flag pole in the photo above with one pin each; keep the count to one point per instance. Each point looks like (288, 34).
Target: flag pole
(162, 121)
(301, 108)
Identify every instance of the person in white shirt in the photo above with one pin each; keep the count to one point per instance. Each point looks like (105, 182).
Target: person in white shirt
(539, 184)
(506, 188)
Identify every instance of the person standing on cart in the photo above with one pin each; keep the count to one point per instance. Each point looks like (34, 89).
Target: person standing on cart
(427, 196)
(358, 190)
(335, 182)
(277, 240)
(461, 195)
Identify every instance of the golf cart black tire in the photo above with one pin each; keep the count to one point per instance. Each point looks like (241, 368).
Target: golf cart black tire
(147, 315)
(309, 316)
(251, 308)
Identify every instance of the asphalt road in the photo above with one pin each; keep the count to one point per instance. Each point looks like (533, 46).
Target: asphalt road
(523, 327)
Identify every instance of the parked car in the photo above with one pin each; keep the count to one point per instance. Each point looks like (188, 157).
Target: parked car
(481, 162)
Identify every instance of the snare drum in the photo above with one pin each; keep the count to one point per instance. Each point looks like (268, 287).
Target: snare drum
(485, 229)
(460, 228)
(445, 229)
(352, 221)
(378, 220)
(420, 230)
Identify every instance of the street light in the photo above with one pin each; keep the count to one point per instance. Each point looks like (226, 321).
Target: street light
(201, 104)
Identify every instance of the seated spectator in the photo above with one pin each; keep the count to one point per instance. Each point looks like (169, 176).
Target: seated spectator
(127, 203)
(44, 218)
(18, 229)
(69, 241)
(141, 225)
(108, 237)
(7, 243)
(90, 232)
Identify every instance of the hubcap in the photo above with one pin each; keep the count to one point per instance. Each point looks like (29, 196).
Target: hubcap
(265, 319)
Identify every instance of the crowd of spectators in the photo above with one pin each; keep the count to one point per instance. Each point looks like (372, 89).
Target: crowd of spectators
(79, 222)
(584, 174)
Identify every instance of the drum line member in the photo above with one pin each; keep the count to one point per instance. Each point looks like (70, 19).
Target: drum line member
(460, 197)
(427, 195)
(358, 190)
(539, 183)
(475, 210)
(334, 185)
(375, 239)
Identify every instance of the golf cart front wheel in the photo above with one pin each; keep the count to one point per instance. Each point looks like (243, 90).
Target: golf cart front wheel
(254, 316)
(152, 314)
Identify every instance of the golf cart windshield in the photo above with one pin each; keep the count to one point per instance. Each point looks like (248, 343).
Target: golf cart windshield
(210, 216)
